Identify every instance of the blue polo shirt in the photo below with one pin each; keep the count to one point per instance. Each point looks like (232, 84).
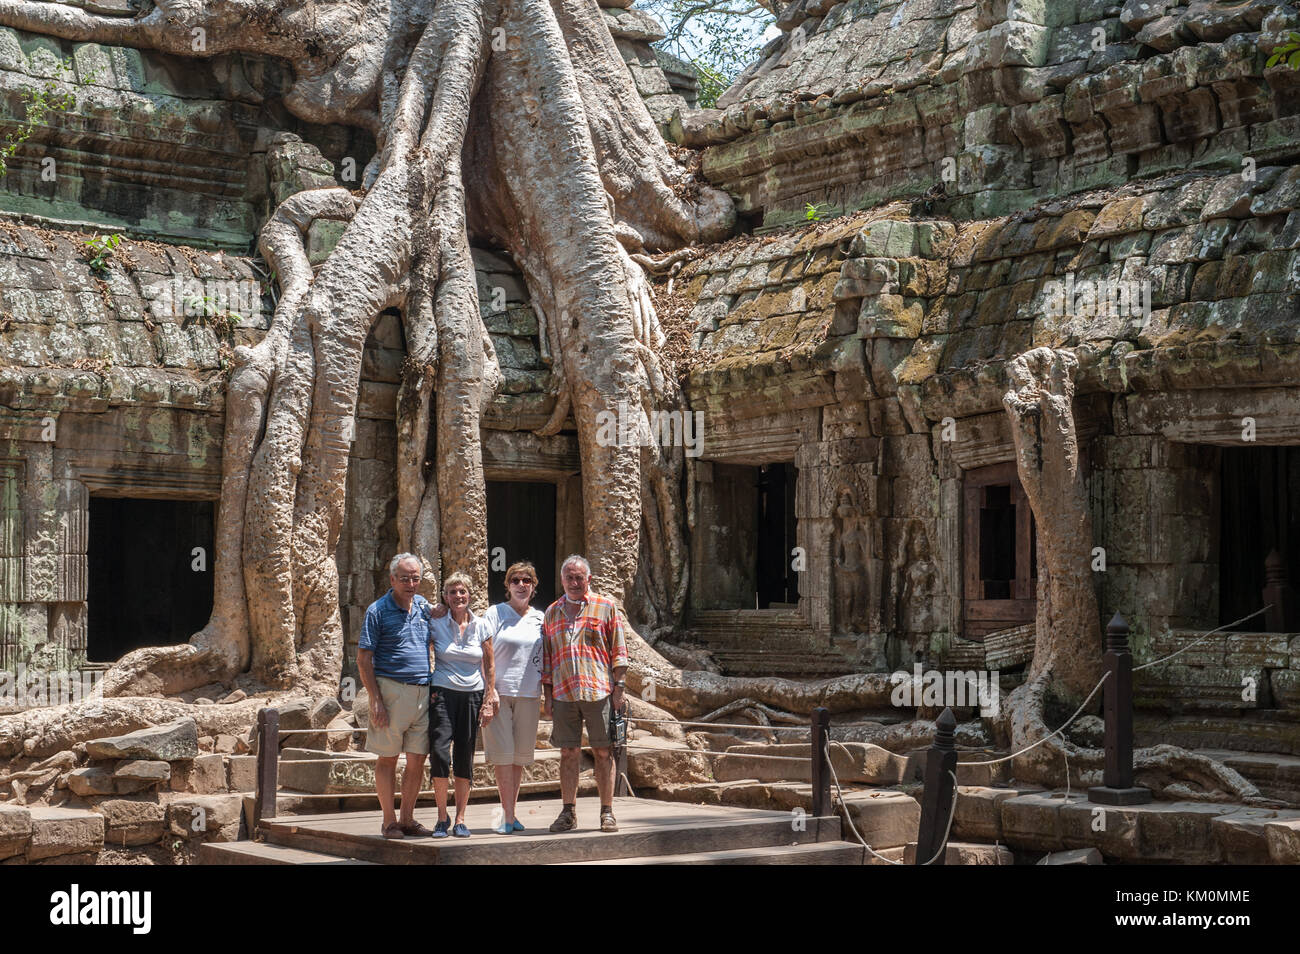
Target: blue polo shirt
(399, 640)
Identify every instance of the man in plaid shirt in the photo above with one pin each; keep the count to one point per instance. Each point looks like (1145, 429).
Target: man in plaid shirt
(584, 659)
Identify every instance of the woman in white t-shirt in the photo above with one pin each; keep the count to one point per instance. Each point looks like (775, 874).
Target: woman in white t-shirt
(515, 628)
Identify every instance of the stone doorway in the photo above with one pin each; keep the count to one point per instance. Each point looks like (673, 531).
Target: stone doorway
(999, 552)
(777, 581)
(521, 519)
(150, 573)
(1259, 513)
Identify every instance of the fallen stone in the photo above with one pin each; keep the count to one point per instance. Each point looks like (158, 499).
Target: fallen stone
(237, 696)
(1073, 856)
(224, 744)
(92, 780)
(15, 830)
(207, 744)
(206, 817)
(204, 701)
(166, 743)
(129, 823)
(340, 737)
(883, 819)
(143, 770)
(64, 831)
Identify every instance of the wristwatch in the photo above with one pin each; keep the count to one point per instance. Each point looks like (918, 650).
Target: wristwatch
(621, 684)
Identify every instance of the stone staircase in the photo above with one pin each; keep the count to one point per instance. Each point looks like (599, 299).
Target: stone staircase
(763, 642)
(650, 833)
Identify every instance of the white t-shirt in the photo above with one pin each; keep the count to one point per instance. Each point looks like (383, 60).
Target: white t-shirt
(458, 658)
(516, 649)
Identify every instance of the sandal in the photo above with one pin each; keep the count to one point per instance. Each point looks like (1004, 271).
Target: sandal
(392, 830)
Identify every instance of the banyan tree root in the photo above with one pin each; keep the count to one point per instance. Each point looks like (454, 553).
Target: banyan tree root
(1167, 770)
(1067, 646)
(566, 171)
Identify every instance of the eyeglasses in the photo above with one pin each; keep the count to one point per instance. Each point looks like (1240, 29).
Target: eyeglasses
(408, 579)
(519, 579)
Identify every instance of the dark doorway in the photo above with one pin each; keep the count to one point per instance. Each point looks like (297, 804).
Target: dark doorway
(1259, 512)
(778, 582)
(1000, 560)
(521, 526)
(147, 585)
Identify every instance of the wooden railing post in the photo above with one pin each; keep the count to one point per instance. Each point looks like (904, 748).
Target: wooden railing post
(936, 799)
(268, 763)
(1117, 663)
(821, 768)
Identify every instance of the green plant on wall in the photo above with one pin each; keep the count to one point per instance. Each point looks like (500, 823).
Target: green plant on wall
(815, 213)
(101, 248)
(210, 314)
(40, 102)
(1288, 52)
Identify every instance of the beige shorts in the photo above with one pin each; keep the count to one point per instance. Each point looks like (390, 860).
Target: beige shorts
(408, 720)
(511, 736)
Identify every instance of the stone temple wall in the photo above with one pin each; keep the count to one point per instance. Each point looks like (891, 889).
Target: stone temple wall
(999, 103)
(1156, 171)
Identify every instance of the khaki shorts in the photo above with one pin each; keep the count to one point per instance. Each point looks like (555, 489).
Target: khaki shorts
(566, 726)
(408, 720)
(511, 736)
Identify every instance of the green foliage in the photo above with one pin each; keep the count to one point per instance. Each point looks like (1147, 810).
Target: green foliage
(40, 102)
(718, 38)
(1288, 52)
(101, 247)
(210, 314)
(815, 213)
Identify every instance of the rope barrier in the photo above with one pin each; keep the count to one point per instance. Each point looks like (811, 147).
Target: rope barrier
(1034, 745)
(729, 755)
(848, 815)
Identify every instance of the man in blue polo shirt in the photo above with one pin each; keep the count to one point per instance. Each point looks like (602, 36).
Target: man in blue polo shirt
(393, 660)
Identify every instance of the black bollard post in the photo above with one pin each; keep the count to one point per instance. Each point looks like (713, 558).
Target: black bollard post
(1118, 711)
(936, 799)
(268, 763)
(821, 768)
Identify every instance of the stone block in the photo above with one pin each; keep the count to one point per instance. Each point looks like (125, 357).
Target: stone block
(206, 817)
(15, 830)
(241, 773)
(1073, 856)
(92, 780)
(979, 814)
(142, 770)
(965, 853)
(170, 742)
(128, 823)
(202, 775)
(884, 819)
(63, 831)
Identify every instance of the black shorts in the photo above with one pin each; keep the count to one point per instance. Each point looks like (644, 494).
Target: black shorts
(453, 731)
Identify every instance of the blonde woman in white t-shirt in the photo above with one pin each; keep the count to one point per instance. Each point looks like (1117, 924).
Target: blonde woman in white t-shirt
(509, 739)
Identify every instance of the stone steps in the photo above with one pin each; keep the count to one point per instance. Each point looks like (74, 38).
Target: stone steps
(265, 853)
(1275, 774)
(650, 832)
(1264, 730)
(816, 853)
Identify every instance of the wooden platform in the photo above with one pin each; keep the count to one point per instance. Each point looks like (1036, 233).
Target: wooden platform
(650, 832)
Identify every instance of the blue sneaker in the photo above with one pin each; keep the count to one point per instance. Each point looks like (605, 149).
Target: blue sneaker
(505, 828)
(460, 831)
(440, 829)
(518, 827)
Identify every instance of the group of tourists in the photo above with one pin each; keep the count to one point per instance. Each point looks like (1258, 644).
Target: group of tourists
(502, 671)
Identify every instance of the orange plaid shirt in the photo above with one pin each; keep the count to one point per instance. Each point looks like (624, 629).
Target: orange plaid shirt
(577, 657)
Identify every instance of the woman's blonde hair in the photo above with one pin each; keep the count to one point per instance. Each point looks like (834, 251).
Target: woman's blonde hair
(525, 568)
(457, 577)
